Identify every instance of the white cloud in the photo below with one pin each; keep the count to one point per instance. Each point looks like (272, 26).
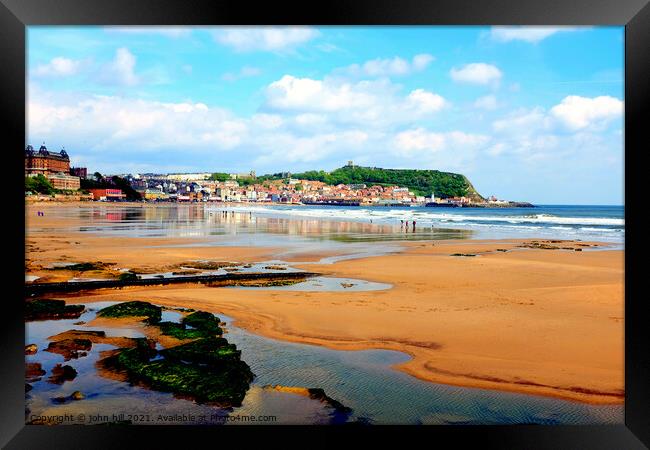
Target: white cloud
(244, 72)
(307, 94)
(570, 128)
(523, 121)
(426, 102)
(477, 73)
(291, 149)
(526, 33)
(369, 103)
(577, 112)
(121, 70)
(246, 39)
(421, 61)
(488, 102)
(58, 67)
(389, 66)
(416, 141)
(268, 121)
(120, 124)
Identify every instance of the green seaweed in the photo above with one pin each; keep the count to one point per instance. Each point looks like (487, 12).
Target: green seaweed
(202, 325)
(178, 331)
(82, 267)
(128, 276)
(208, 265)
(267, 283)
(224, 383)
(46, 309)
(211, 351)
(203, 321)
(134, 308)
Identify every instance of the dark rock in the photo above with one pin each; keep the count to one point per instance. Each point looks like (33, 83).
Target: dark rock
(33, 371)
(135, 308)
(47, 309)
(31, 349)
(319, 394)
(70, 348)
(208, 370)
(61, 374)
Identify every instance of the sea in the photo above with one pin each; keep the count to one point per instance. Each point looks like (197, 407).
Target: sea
(605, 223)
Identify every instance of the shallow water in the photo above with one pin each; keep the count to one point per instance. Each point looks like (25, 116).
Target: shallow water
(109, 400)
(328, 284)
(362, 380)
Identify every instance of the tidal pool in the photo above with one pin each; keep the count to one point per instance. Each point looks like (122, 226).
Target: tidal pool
(362, 380)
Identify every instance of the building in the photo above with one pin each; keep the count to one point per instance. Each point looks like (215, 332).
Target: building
(80, 172)
(107, 194)
(155, 194)
(64, 181)
(188, 176)
(241, 176)
(45, 162)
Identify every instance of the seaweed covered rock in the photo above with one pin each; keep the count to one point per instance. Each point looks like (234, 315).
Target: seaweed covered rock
(202, 320)
(128, 276)
(134, 308)
(207, 265)
(83, 267)
(210, 351)
(199, 324)
(48, 309)
(179, 331)
(223, 381)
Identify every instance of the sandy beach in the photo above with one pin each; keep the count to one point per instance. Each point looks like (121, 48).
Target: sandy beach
(535, 321)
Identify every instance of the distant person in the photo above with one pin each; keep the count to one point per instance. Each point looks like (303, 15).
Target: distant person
(414, 225)
(402, 223)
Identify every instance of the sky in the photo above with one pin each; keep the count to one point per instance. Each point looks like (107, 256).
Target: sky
(527, 113)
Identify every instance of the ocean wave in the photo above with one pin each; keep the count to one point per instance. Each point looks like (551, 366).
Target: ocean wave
(422, 216)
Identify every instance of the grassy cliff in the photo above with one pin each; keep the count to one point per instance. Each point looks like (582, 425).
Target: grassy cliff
(421, 182)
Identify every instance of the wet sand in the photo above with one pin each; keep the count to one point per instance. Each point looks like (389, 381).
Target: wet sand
(544, 322)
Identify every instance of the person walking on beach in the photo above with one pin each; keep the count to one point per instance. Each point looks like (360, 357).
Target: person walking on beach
(401, 223)
(414, 226)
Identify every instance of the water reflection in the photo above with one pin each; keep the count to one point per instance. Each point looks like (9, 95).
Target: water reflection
(200, 221)
(362, 380)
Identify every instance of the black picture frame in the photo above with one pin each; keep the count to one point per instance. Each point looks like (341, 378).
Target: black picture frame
(15, 15)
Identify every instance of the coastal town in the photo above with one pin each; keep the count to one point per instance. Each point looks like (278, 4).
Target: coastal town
(49, 175)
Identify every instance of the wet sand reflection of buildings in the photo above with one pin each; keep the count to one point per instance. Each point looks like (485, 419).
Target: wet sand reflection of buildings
(199, 221)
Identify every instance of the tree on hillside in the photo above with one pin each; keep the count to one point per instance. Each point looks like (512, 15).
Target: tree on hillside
(219, 176)
(39, 184)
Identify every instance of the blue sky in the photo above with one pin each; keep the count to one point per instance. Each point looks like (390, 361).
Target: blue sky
(527, 113)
